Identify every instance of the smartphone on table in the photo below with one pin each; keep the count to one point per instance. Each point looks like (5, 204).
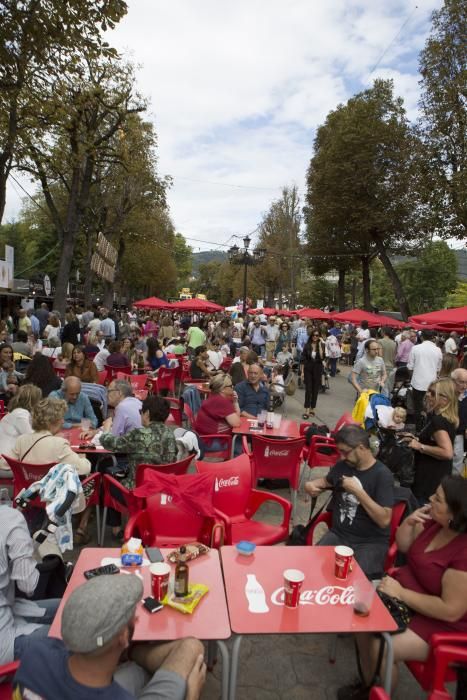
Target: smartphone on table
(154, 554)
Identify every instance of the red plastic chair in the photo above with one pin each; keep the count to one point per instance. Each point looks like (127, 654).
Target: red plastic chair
(2, 409)
(162, 523)
(60, 372)
(118, 497)
(237, 502)
(189, 414)
(92, 493)
(222, 454)
(165, 380)
(377, 693)
(7, 671)
(180, 467)
(277, 459)
(111, 372)
(433, 674)
(103, 377)
(175, 410)
(226, 364)
(137, 381)
(25, 474)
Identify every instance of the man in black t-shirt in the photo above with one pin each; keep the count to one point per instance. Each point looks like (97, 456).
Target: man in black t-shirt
(362, 502)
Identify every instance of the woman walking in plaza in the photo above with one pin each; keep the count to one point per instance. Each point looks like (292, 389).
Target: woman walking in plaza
(313, 355)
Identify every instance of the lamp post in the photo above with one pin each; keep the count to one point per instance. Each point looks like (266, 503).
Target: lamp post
(242, 256)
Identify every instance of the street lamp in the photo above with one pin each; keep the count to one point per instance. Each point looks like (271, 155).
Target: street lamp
(239, 256)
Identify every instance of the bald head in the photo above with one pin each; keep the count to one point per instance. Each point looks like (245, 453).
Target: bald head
(460, 380)
(72, 389)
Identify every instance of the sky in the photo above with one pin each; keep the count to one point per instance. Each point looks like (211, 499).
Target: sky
(238, 89)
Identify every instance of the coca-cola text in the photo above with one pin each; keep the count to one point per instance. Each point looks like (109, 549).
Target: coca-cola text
(328, 595)
(225, 483)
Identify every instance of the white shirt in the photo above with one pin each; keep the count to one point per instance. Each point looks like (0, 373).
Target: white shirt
(425, 361)
(100, 359)
(215, 359)
(14, 424)
(450, 346)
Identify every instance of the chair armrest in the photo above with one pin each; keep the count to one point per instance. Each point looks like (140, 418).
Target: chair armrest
(226, 521)
(459, 638)
(257, 498)
(9, 669)
(245, 446)
(390, 557)
(444, 655)
(322, 518)
(133, 526)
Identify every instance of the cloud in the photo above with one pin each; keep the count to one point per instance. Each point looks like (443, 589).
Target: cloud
(238, 89)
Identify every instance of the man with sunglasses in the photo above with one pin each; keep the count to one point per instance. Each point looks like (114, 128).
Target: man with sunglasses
(362, 501)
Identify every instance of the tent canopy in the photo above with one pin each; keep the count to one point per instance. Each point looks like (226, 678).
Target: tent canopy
(358, 315)
(199, 305)
(445, 317)
(153, 303)
(315, 314)
(269, 311)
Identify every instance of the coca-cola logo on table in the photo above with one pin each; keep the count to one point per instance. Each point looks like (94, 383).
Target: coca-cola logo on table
(327, 595)
(226, 483)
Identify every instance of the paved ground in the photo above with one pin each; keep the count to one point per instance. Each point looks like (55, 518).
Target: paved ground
(296, 667)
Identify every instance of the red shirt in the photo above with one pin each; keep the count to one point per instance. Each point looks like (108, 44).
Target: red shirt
(210, 419)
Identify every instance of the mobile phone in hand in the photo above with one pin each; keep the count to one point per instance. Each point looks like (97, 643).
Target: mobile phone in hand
(154, 554)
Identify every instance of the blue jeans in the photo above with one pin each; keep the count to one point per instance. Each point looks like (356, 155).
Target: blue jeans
(23, 642)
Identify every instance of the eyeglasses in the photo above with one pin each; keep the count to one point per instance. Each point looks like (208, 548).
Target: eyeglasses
(109, 391)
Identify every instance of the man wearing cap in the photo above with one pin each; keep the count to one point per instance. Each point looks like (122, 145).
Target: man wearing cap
(97, 627)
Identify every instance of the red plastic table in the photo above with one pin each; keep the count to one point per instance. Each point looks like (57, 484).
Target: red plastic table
(72, 435)
(210, 621)
(325, 601)
(288, 429)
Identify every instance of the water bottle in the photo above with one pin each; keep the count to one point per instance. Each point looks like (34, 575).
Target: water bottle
(255, 595)
(5, 499)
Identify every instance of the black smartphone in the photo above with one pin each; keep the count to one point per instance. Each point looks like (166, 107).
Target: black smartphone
(102, 571)
(152, 605)
(154, 554)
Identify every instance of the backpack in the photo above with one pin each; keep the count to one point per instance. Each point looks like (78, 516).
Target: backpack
(315, 429)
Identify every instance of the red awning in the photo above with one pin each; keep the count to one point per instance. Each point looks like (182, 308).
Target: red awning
(200, 305)
(445, 317)
(314, 314)
(153, 303)
(359, 315)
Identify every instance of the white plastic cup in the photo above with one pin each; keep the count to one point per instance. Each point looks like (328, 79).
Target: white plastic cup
(277, 419)
(293, 579)
(364, 593)
(85, 424)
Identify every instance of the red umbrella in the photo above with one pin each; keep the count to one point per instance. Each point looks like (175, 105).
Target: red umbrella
(269, 311)
(315, 314)
(445, 317)
(359, 315)
(153, 303)
(200, 305)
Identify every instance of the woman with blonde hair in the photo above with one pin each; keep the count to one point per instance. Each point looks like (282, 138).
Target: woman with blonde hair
(17, 421)
(64, 357)
(44, 445)
(449, 364)
(434, 446)
(220, 412)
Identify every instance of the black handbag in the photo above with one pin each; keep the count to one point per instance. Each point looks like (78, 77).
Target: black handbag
(299, 534)
(400, 612)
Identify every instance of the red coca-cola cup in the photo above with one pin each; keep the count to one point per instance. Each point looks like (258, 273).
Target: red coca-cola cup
(293, 579)
(343, 562)
(160, 573)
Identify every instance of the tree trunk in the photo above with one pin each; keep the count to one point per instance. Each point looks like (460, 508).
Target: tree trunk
(354, 292)
(88, 273)
(366, 282)
(108, 297)
(341, 291)
(393, 276)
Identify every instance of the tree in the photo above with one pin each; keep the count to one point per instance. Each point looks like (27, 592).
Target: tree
(362, 184)
(81, 116)
(431, 277)
(458, 297)
(183, 255)
(443, 64)
(37, 40)
(279, 236)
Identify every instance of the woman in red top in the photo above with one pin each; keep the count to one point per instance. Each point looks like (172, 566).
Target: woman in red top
(220, 412)
(432, 584)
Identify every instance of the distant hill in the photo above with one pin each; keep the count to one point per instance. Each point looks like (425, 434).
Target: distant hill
(206, 256)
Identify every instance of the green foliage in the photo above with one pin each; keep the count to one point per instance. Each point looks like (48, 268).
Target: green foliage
(183, 256)
(458, 297)
(443, 66)
(317, 292)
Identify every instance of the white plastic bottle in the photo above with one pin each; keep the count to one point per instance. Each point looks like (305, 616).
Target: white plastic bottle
(255, 595)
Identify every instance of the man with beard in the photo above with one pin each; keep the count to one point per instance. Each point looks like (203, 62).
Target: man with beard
(362, 501)
(97, 626)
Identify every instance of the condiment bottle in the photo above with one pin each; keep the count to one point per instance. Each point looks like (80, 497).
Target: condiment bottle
(181, 575)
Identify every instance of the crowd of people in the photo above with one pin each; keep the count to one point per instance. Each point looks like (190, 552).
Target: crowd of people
(51, 378)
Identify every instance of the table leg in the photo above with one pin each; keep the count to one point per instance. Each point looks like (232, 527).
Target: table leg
(389, 662)
(234, 437)
(225, 669)
(234, 667)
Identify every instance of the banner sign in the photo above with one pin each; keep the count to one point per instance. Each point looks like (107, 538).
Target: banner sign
(104, 260)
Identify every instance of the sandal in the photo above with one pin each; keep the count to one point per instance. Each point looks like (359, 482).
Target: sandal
(306, 416)
(81, 537)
